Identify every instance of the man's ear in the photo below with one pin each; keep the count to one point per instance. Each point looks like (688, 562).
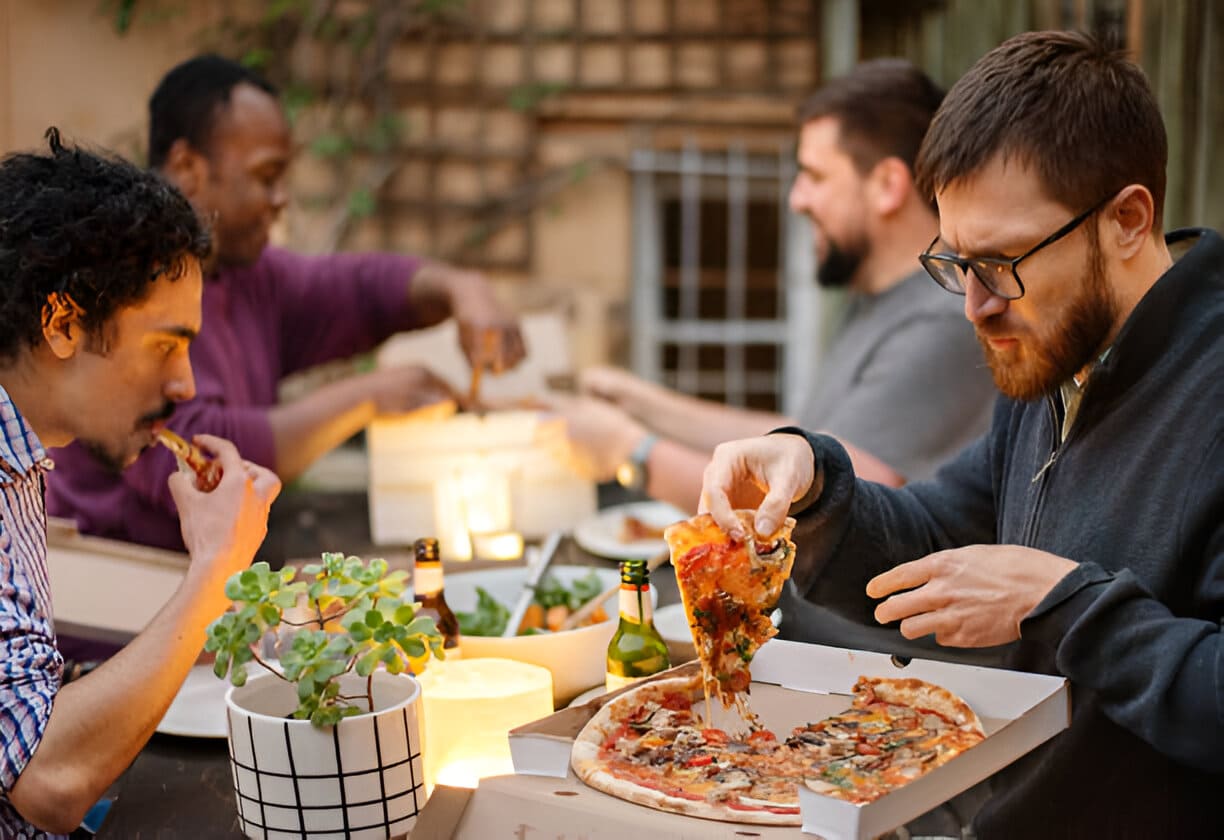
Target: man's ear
(1130, 217)
(185, 167)
(62, 329)
(890, 184)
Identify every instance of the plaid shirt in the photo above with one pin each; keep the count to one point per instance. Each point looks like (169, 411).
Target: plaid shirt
(30, 665)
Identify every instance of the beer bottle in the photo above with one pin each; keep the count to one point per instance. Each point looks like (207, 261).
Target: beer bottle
(427, 591)
(636, 650)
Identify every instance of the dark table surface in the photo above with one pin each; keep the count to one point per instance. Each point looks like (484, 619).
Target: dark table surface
(181, 787)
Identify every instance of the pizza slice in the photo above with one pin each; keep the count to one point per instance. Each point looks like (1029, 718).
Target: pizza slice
(729, 587)
(896, 731)
(207, 471)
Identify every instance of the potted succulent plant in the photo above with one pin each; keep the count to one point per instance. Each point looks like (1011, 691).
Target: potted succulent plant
(326, 739)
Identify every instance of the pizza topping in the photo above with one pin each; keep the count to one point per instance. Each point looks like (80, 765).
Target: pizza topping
(728, 588)
(896, 731)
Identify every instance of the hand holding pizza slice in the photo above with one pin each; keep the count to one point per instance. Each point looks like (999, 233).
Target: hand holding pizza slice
(190, 456)
(729, 587)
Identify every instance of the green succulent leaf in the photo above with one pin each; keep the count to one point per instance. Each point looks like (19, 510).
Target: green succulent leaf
(368, 626)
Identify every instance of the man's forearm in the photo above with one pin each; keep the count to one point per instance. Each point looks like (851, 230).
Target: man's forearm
(674, 474)
(310, 427)
(100, 722)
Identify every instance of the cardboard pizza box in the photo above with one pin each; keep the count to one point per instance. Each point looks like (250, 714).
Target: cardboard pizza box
(106, 589)
(793, 683)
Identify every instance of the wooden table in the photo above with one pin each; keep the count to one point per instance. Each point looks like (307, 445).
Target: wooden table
(182, 788)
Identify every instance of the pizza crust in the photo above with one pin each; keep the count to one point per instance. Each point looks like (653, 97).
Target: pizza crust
(919, 694)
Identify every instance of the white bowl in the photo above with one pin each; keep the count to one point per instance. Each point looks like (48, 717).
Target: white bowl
(577, 658)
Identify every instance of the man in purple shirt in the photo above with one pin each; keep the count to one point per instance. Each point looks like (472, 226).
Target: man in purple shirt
(218, 133)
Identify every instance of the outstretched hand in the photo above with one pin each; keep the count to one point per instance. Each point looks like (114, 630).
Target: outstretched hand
(762, 473)
(599, 437)
(974, 596)
(489, 333)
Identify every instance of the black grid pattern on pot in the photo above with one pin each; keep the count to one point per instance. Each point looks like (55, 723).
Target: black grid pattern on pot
(388, 824)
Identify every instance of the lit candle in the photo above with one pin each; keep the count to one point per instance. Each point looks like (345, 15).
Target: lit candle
(469, 707)
(450, 519)
(502, 545)
(467, 773)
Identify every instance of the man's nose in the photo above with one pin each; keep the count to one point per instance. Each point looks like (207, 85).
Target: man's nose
(980, 302)
(180, 387)
(796, 199)
(279, 196)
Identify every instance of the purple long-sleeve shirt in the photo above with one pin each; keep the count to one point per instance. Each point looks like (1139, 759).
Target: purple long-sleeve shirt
(260, 323)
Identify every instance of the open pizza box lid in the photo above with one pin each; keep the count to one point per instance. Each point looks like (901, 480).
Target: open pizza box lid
(793, 683)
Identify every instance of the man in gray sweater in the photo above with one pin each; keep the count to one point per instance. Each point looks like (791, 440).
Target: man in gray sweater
(897, 386)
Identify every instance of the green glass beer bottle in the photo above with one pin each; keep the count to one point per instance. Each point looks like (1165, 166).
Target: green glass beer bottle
(636, 650)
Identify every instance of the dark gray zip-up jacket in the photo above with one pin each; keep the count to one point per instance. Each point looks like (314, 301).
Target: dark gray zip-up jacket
(1135, 495)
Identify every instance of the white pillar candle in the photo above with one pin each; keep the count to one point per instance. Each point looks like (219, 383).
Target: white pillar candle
(469, 706)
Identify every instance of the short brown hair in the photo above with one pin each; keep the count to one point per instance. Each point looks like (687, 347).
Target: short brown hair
(1071, 106)
(883, 107)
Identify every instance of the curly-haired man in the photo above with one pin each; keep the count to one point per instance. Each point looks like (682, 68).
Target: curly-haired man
(100, 300)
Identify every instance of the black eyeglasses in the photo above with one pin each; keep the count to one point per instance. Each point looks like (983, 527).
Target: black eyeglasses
(999, 276)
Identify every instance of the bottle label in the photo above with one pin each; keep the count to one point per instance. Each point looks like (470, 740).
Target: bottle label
(635, 603)
(426, 580)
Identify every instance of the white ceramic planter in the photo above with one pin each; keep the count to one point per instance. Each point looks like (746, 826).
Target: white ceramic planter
(360, 779)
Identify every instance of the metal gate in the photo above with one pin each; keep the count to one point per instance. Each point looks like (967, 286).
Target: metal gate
(723, 298)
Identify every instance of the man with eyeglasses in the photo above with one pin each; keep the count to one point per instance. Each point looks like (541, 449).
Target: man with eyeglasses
(1087, 527)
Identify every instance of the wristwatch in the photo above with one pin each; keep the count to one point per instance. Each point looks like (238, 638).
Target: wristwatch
(631, 474)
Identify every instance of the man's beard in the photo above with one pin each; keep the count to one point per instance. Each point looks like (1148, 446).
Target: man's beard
(1063, 348)
(839, 266)
(116, 462)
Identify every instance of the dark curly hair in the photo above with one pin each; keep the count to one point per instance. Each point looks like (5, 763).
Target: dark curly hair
(91, 227)
(188, 100)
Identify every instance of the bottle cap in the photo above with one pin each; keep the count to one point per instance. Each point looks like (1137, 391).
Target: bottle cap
(425, 550)
(634, 572)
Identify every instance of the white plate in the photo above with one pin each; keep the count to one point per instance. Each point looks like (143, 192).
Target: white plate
(672, 624)
(198, 710)
(589, 694)
(601, 534)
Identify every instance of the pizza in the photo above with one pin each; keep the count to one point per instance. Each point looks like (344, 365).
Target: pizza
(729, 587)
(207, 471)
(651, 746)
